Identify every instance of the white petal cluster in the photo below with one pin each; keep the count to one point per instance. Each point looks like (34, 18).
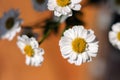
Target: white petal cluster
(114, 35)
(64, 10)
(37, 58)
(69, 53)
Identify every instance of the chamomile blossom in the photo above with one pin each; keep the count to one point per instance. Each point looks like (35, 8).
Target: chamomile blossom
(10, 24)
(64, 7)
(78, 45)
(114, 35)
(30, 48)
(40, 5)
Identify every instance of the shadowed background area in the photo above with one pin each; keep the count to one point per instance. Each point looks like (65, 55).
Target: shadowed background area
(96, 15)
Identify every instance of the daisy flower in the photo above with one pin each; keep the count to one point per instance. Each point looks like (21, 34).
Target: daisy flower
(30, 48)
(64, 7)
(114, 35)
(10, 24)
(40, 5)
(78, 45)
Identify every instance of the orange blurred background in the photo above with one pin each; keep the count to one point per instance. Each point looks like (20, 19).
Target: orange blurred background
(54, 67)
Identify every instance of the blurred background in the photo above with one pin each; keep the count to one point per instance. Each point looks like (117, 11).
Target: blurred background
(98, 15)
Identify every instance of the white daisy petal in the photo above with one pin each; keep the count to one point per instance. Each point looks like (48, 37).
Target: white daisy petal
(67, 55)
(94, 44)
(85, 57)
(11, 36)
(114, 35)
(34, 43)
(39, 51)
(29, 46)
(79, 60)
(70, 34)
(61, 7)
(118, 45)
(78, 45)
(21, 46)
(90, 59)
(28, 60)
(19, 29)
(66, 50)
(93, 49)
(92, 54)
(38, 60)
(67, 9)
(79, 28)
(84, 34)
(24, 37)
(71, 61)
(90, 36)
(65, 41)
(76, 1)
(73, 56)
(57, 13)
(77, 7)
(116, 27)
(33, 60)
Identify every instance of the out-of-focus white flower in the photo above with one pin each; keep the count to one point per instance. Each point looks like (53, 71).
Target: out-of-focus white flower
(114, 35)
(30, 47)
(78, 45)
(40, 5)
(10, 24)
(104, 17)
(64, 7)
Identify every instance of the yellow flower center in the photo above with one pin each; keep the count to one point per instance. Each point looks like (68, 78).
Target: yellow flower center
(63, 3)
(118, 36)
(79, 45)
(9, 23)
(28, 50)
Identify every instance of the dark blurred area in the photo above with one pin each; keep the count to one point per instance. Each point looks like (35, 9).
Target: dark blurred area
(107, 66)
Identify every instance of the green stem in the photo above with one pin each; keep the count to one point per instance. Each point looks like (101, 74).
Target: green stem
(48, 32)
(45, 36)
(65, 29)
(60, 19)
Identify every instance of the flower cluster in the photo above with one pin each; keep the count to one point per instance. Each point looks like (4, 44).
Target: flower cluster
(77, 44)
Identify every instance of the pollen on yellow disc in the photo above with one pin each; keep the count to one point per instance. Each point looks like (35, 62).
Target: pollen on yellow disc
(63, 3)
(28, 50)
(118, 36)
(79, 45)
